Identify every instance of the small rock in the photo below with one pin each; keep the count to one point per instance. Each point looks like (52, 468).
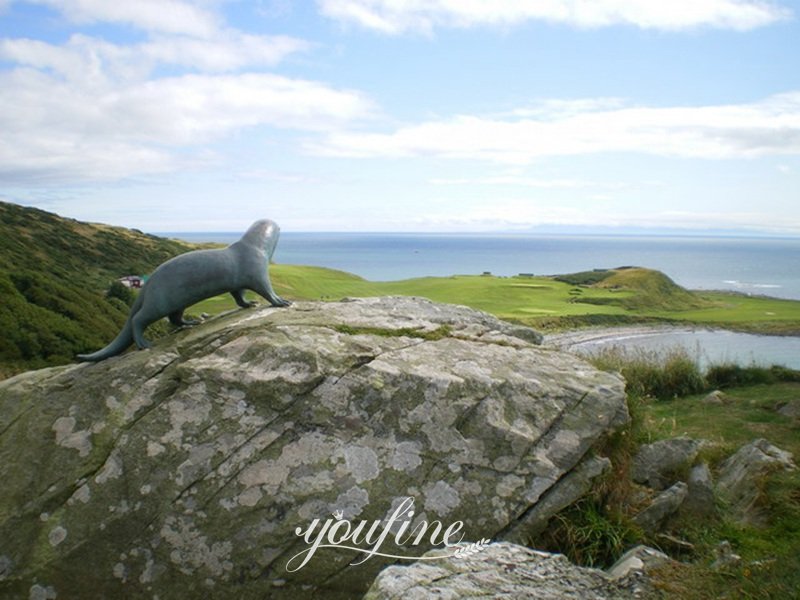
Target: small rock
(715, 398)
(500, 570)
(700, 500)
(741, 477)
(725, 556)
(658, 463)
(639, 558)
(662, 507)
(790, 409)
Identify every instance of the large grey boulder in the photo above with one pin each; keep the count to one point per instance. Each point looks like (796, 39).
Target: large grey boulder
(742, 477)
(192, 470)
(501, 570)
(659, 464)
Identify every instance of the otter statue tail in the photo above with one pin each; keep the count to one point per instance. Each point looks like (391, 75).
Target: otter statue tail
(121, 342)
(119, 345)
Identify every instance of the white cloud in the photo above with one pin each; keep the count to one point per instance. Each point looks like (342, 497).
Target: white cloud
(768, 127)
(167, 16)
(393, 17)
(92, 110)
(84, 57)
(58, 130)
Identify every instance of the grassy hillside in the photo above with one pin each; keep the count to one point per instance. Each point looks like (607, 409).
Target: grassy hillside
(610, 297)
(54, 273)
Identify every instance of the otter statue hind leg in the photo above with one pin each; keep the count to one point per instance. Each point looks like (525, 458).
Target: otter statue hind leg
(176, 318)
(238, 296)
(138, 325)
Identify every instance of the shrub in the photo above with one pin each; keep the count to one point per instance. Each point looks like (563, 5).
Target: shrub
(729, 375)
(589, 535)
(653, 374)
(120, 291)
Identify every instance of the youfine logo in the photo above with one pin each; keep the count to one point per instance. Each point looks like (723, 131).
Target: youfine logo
(383, 538)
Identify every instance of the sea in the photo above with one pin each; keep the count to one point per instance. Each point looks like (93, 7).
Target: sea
(765, 266)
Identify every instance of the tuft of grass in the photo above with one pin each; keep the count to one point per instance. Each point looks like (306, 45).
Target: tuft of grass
(589, 534)
(650, 374)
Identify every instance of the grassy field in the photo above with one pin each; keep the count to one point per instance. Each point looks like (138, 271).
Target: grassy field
(623, 296)
(770, 565)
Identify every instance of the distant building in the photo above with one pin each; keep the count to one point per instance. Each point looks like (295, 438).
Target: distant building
(526, 274)
(131, 281)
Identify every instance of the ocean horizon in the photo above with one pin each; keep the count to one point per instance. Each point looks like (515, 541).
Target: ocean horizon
(767, 266)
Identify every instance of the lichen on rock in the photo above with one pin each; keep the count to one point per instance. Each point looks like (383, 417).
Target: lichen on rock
(188, 468)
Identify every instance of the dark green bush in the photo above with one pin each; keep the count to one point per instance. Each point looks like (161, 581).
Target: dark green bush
(120, 291)
(730, 375)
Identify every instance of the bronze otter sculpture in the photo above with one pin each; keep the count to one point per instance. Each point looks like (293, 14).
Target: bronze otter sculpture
(195, 276)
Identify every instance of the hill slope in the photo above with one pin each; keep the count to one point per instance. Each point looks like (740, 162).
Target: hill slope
(649, 289)
(53, 276)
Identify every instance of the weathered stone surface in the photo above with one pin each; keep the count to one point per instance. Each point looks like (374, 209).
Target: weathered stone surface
(790, 409)
(638, 559)
(700, 499)
(715, 398)
(573, 486)
(662, 507)
(184, 471)
(656, 464)
(742, 476)
(500, 570)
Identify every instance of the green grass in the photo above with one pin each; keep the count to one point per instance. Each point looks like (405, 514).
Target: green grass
(771, 555)
(621, 297)
(749, 414)
(770, 567)
(758, 313)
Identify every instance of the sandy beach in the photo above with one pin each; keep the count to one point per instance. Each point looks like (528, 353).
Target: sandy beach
(569, 340)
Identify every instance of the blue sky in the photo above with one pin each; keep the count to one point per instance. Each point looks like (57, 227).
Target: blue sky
(390, 115)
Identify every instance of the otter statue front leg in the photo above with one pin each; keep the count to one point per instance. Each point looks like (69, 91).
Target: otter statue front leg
(264, 288)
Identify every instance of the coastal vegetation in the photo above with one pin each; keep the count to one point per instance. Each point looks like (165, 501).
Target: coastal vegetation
(57, 287)
(598, 528)
(60, 294)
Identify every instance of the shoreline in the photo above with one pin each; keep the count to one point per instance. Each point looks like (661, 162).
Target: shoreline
(569, 339)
